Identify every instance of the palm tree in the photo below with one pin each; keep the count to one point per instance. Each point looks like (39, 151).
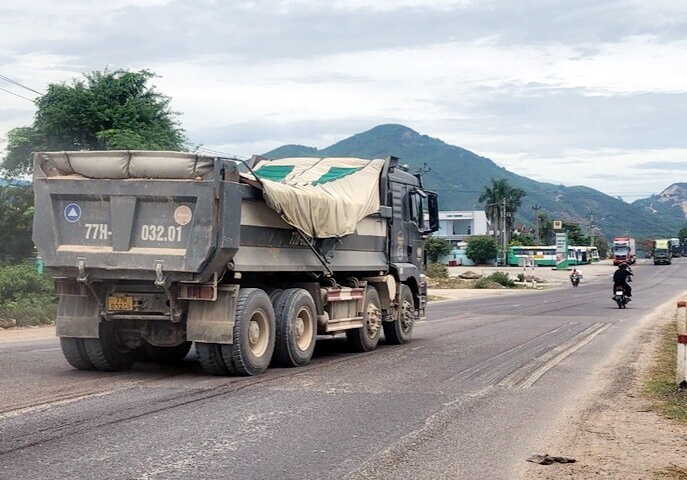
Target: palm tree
(497, 196)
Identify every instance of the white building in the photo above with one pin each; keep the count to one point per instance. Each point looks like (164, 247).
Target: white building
(458, 226)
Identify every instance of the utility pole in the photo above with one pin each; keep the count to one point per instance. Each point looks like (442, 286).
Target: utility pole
(591, 228)
(504, 236)
(536, 208)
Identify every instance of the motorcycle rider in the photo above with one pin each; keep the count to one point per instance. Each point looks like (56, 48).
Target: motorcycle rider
(621, 277)
(574, 276)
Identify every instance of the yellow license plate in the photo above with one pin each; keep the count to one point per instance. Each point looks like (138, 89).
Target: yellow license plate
(120, 302)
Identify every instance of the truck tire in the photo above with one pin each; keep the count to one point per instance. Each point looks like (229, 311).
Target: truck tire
(365, 339)
(74, 351)
(108, 352)
(274, 294)
(254, 334)
(400, 329)
(210, 358)
(166, 355)
(296, 328)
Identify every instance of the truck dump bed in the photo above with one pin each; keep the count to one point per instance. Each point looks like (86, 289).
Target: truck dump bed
(148, 215)
(125, 211)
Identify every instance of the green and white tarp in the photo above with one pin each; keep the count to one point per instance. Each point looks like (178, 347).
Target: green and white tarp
(323, 197)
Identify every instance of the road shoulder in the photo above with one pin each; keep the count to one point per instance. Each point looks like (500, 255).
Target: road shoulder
(613, 433)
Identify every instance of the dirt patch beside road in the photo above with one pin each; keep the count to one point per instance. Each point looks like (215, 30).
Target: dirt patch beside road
(26, 333)
(552, 277)
(614, 434)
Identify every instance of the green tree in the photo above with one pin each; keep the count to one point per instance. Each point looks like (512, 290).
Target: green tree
(645, 244)
(682, 233)
(546, 234)
(575, 234)
(497, 196)
(103, 111)
(602, 246)
(522, 239)
(481, 249)
(437, 248)
(16, 218)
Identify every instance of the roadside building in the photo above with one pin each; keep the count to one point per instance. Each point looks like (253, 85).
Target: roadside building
(457, 227)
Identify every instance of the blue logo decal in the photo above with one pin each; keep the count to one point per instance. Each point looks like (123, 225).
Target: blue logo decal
(72, 213)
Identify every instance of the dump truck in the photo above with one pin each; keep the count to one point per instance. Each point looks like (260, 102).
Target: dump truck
(623, 250)
(152, 252)
(662, 251)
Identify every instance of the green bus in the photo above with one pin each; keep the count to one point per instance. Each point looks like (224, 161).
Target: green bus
(582, 255)
(545, 255)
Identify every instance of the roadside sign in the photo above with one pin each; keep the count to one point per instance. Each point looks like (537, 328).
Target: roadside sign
(562, 251)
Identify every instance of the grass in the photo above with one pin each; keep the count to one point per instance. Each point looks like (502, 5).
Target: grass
(666, 397)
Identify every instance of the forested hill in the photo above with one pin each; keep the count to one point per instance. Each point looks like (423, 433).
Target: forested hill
(459, 176)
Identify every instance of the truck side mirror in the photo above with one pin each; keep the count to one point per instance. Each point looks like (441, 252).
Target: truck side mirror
(433, 211)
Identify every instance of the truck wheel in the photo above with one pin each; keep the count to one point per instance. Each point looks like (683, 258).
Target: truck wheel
(108, 352)
(401, 328)
(365, 339)
(210, 358)
(74, 351)
(296, 320)
(166, 355)
(254, 332)
(274, 294)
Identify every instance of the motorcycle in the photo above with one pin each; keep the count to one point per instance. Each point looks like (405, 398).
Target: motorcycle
(620, 297)
(575, 279)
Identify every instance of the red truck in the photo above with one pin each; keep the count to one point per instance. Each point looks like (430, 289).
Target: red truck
(623, 250)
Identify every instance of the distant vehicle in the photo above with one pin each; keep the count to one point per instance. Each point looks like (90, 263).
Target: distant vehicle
(620, 297)
(545, 255)
(675, 247)
(582, 255)
(623, 250)
(575, 279)
(542, 255)
(662, 252)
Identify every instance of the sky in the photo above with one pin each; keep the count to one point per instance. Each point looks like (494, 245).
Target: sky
(572, 92)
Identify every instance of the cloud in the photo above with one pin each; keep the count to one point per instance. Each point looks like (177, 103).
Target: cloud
(550, 90)
(663, 166)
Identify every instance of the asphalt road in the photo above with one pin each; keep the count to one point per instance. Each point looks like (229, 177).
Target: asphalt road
(481, 381)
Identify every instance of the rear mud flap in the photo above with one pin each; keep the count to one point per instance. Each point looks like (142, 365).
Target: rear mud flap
(78, 317)
(213, 322)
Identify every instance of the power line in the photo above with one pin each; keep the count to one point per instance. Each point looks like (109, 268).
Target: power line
(14, 82)
(16, 94)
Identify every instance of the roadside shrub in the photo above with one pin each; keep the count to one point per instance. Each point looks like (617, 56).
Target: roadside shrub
(502, 278)
(22, 280)
(486, 282)
(40, 310)
(481, 249)
(436, 270)
(521, 277)
(26, 296)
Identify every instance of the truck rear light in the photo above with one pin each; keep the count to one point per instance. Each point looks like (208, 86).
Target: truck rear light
(198, 292)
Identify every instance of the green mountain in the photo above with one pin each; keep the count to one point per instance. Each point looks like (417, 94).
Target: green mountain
(459, 177)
